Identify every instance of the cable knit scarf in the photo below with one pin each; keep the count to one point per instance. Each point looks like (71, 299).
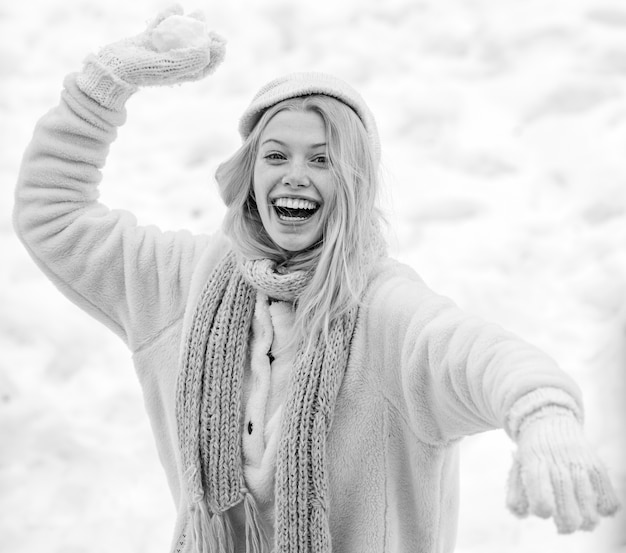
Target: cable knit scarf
(208, 412)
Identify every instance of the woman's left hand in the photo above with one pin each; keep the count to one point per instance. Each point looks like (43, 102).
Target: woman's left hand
(556, 474)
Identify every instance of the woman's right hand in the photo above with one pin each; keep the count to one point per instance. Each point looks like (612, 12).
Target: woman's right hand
(174, 48)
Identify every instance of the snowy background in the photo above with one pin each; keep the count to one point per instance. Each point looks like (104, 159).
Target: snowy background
(503, 125)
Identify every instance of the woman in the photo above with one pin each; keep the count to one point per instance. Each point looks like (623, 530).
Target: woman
(306, 392)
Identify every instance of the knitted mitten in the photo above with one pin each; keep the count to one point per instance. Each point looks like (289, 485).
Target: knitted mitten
(173, 49)
(556, 474)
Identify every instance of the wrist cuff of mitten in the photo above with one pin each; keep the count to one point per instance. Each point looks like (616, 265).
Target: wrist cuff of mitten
(558, 419)
(538, 404)
(99, 83)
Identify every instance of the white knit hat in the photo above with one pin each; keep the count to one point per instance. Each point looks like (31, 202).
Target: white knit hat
(305, 84)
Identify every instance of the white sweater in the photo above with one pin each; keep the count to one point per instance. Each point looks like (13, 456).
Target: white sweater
(271, 359)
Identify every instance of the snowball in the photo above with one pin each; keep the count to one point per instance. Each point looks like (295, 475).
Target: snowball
(178, 31)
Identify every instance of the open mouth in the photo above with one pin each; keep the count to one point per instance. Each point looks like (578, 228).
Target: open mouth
(295, 209)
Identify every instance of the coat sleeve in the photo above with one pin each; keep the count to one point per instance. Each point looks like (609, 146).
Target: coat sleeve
(453, 373)
(133, 279)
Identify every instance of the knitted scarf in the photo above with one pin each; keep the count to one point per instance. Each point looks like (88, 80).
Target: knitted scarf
(208, 413)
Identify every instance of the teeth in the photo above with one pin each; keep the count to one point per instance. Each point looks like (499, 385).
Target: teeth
(293, 203)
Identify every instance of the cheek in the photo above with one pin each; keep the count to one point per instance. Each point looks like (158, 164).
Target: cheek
(257, 188)
(332, 209)
(261, 182)
(259, 193)
(328, 190)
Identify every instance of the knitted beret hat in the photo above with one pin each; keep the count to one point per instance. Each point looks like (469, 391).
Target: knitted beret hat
(295, 85)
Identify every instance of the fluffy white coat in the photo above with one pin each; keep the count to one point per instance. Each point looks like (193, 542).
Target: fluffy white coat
(421, 375)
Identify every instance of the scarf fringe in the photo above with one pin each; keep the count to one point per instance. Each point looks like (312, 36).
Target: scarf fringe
(211, 533)
(200, 526)
(256, 538)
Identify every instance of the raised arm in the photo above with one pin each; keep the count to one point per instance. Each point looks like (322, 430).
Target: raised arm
(134, 279)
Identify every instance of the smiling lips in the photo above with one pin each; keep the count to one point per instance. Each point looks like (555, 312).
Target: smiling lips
(295, 209)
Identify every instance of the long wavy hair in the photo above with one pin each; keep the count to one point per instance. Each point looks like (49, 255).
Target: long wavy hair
(341, 261)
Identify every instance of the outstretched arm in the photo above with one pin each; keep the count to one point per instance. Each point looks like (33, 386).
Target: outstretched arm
(134, 279)
(460, 375)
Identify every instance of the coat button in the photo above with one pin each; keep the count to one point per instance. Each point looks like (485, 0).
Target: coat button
(250, 427)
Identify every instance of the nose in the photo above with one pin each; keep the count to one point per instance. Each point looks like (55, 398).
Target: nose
(296, 175)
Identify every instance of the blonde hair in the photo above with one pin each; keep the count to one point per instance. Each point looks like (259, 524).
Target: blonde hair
(341, 261)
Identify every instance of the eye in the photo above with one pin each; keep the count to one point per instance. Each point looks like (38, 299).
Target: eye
(274, 156)
(320, 159)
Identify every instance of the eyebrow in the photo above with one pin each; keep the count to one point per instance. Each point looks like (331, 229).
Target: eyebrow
(285, 145)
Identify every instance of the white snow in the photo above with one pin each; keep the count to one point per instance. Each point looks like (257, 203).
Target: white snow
(503, 125)
(178, 31)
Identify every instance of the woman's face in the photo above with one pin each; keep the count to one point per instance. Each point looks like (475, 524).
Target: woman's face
(292, 179)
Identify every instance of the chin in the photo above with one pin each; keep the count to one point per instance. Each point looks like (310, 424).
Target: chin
(296, 248)
(293, 247)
